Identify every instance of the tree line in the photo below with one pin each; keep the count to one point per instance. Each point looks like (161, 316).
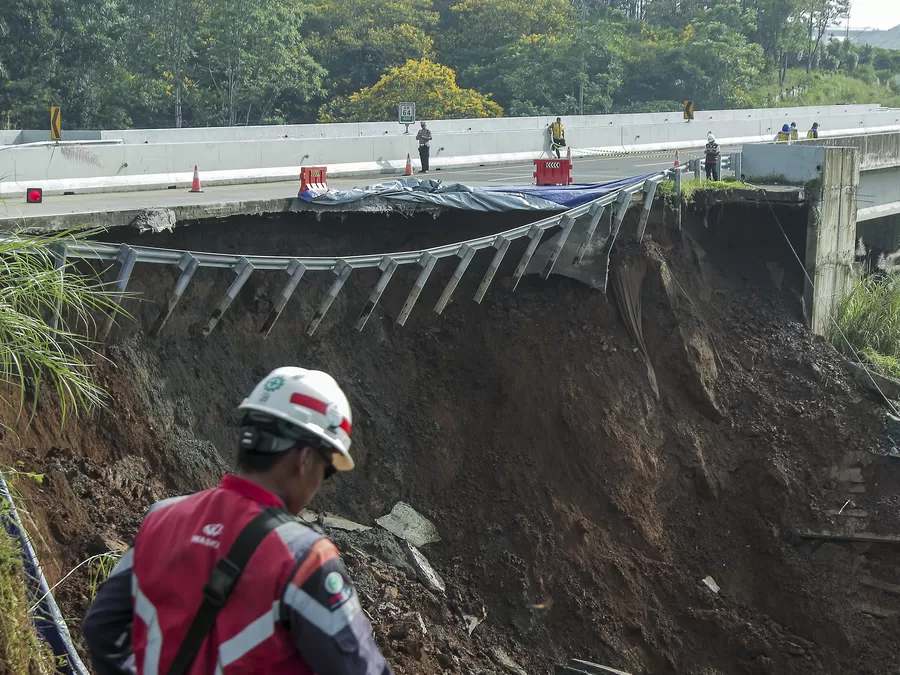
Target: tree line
(173, 63)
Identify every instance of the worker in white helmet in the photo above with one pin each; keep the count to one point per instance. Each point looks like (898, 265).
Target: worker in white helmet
(179, 601)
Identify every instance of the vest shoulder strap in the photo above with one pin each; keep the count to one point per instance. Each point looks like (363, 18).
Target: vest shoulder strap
(222, 581)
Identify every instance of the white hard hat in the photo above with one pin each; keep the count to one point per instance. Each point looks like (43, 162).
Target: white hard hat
(310, 400)
(711, 138)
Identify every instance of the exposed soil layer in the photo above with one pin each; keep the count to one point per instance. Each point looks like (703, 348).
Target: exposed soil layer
(579, 508)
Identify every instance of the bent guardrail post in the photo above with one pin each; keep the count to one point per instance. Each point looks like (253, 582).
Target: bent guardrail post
(567, 222)
(596, 213)
(534, 234)
(188, 265)
(622, 204)
(295, 270)
(127, 257)
(243, 269)
(60, 254)
(342, 271)
(465, 253)
(501, 243)
(649, 194)
(427, 263)
(387, 266)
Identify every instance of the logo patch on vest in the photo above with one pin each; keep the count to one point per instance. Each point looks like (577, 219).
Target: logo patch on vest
(337, 590)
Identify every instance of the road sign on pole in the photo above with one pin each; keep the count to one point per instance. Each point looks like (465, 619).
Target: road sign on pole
(55, 123)
(688, 110)
(406, 114)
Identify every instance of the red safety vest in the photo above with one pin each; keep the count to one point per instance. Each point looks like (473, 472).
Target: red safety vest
(174, 553)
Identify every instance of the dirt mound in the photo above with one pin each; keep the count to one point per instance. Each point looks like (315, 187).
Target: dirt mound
(579, 505)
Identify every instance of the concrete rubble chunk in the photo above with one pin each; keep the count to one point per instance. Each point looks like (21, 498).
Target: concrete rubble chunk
(405, 522)
(425, 573)
(154, 220)
(710, 583)
(472, 622)
(504, 660)
(333, 522)
(589, 667)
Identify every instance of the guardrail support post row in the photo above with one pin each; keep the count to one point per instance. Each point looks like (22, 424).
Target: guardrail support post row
(188, 265)
(596, 213)
(127, 256)
(387, 266)
(502, 245)
(567, 222)
(295, 270)
(60, 253)
(243, 269)
(427, 262)
(342, 271)
(465, 254)
(649, 194)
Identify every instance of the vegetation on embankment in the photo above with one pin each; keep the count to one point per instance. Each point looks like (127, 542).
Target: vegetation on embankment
(21, 650)
(698, 190)
(869, 318)
(39, 358)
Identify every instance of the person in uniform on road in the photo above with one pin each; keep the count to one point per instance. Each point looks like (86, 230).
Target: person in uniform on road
(557, 136)
(794, 133)
(713, 157)
(784, 135)
(177, 603)
(814, 131)
(424, 138)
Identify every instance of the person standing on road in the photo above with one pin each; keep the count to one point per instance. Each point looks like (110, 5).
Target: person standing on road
(177, 603)
(557, 136)
(424, 139)
(795, 134)
(814, 132)
(713, 158)
(784, 135)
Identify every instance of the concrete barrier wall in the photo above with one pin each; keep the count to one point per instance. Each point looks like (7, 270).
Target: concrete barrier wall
(876, 151)
(797, 164)
(149, 166)
(804, 116)
(879, 193)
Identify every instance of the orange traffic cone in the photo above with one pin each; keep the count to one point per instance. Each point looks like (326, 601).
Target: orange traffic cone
(677, 163)
(569, 153)
(195, 186)
(408, 171)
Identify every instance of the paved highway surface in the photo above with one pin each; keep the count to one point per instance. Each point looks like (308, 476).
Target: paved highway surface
(100, 208)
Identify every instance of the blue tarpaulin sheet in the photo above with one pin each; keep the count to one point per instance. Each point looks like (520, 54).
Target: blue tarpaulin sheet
(458, 196)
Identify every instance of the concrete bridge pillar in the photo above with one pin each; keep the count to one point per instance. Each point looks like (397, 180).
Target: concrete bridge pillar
(831, 235)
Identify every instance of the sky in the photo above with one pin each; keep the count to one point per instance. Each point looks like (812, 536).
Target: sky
(881, 14)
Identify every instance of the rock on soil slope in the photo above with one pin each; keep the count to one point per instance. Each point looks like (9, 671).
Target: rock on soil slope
(576, 506)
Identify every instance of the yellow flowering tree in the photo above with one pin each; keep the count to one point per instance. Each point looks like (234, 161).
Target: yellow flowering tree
(431, 86)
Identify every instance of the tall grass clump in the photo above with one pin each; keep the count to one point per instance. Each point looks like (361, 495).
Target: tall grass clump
(869, 317)
(37, 353)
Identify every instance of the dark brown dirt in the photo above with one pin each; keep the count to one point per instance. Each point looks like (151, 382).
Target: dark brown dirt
(577, 507)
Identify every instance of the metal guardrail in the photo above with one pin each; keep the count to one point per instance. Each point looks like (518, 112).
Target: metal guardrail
(296, 267)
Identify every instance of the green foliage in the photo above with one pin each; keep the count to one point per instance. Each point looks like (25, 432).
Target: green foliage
(694, 190)
(160, 63)
(432, 86)
(21, 650)
(869, 317)
(33, 352)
